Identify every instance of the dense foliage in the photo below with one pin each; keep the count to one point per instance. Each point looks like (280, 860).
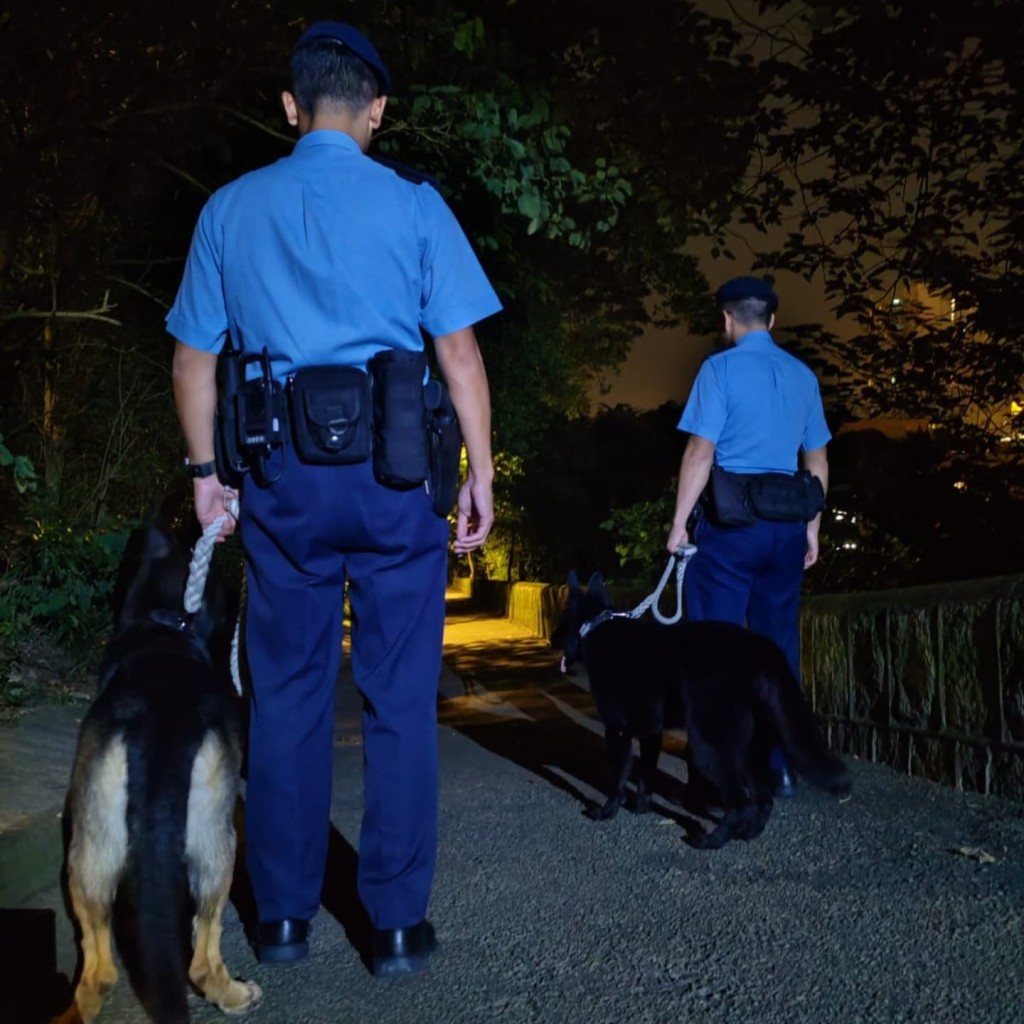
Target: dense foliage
(888, 168)
(582, 147)
(116, 126)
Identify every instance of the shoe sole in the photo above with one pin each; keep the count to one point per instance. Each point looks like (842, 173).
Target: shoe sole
(396, 966)
(289, 953)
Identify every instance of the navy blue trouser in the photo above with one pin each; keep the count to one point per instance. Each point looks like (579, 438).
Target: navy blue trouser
(750, 575)
(303, 535)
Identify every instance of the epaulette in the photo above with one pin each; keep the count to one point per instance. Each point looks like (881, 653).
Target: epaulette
(404, 171)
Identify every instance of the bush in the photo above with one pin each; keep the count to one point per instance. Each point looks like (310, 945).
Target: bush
(56, 581)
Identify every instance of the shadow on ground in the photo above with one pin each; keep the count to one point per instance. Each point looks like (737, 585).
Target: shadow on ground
(33, 988)
(517, 704)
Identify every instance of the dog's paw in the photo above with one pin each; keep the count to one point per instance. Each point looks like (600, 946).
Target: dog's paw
(640, 804)
(242, 997)
(604, 812)
(713, 840)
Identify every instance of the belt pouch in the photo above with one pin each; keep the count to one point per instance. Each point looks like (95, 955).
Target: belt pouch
(331, 412)
(783, 498)
(726, 498)
(445, 442)
(400, 456)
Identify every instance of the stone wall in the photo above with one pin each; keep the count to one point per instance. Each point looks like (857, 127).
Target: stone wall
(929, 680)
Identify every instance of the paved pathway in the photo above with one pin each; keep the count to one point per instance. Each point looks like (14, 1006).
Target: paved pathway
(904, 904)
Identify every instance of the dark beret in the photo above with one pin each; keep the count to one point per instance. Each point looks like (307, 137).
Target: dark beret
(740, 288)
(352, 39)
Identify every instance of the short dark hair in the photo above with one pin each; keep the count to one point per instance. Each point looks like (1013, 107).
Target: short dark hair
(326, 73)
(748, 311)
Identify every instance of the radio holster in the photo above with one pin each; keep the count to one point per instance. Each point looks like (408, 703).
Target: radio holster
(251, 419)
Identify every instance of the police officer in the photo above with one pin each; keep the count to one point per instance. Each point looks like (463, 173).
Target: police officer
(753, 409)
(327, 257)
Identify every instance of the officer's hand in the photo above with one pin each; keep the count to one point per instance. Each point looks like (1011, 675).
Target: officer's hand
(676, 539)
(812, 545)
(475, 516)
(212, 500)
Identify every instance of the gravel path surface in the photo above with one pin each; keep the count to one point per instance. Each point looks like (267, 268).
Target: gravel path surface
(903, 904)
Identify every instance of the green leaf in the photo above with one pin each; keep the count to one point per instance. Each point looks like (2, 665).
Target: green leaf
(530, 205)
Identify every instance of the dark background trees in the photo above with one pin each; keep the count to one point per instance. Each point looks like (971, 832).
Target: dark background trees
(583, 146)
(116, 124)
(889, 170)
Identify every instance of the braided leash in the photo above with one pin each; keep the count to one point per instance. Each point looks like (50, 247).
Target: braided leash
(199, 569)
(678, 560)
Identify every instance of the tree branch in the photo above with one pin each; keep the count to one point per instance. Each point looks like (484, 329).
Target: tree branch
(163, 304)
(99, 313)
(39, 314)
(217, 108)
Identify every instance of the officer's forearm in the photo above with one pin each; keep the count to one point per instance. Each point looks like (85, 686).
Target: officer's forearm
(458, 355)
(694, 470)
(816, 462)
(195, 396)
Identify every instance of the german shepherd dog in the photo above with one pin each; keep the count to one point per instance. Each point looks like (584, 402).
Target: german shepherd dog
(731, 689)
(152, 796)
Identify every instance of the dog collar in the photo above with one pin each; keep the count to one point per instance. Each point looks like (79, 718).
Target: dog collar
(177, 621)
(599, 620)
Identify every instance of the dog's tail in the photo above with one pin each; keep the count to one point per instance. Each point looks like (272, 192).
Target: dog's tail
(159, 779)
(800, 737)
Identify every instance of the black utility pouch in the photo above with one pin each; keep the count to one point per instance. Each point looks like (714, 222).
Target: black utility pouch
(331, 415)
(445, 442)
(726, 499)
(786, 499)
(400, 456)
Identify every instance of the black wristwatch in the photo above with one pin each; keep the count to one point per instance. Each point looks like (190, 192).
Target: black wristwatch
(199, 469)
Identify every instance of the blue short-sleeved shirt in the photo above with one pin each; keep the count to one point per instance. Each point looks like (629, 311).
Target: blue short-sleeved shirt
(758, 405)
(327, 257)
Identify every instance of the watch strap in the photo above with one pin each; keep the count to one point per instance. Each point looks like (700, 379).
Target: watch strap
(199, 469)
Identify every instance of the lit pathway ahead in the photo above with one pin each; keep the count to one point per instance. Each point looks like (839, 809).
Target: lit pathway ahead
(904, 904)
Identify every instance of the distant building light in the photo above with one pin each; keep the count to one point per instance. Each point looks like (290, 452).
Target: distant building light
(897, 302)
(850, 545)
(960, 485)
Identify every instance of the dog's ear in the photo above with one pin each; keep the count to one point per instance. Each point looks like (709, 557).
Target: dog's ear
(158, 569)
(597, 592)
(156, 544)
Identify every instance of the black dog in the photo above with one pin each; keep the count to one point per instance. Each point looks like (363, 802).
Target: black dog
(733, 690)
(152, 796)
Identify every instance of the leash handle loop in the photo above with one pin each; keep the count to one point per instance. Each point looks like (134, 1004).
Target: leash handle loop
(678, 561)
(199, 569)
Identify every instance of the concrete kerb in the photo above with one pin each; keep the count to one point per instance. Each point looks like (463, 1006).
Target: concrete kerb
(31, 857)
(36, 755)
